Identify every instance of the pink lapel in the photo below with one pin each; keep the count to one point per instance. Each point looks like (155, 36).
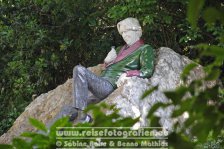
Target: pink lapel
(124, 53)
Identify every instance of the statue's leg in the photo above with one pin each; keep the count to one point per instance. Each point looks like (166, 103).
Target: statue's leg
(92, 99)
(85, 80)
(99, 87)
(80, 87)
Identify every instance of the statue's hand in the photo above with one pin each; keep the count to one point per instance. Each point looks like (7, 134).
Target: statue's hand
(103, 66)
(122, 79)
(111, 56)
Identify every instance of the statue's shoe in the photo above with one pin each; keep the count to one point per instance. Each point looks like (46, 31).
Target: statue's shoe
(69, 111)
(66, 111)
(84, 119)
(73, 116)
(87, 119)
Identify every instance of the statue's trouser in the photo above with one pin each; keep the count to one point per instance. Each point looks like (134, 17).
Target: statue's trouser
(84, 81)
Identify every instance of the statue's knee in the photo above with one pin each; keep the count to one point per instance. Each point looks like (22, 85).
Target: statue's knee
(78, 69)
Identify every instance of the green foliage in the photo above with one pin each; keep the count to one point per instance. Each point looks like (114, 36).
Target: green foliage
(37, 124)
(187, 70)
(148, 92)
(194, 8)
(38, 139)
(46, 137)
(41, 41)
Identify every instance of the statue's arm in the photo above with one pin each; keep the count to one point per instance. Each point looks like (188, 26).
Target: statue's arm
(147, 60)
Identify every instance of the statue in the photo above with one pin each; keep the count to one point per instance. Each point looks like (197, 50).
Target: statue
(133, 59)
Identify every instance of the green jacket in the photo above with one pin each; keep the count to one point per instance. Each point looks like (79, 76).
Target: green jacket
(141, 59)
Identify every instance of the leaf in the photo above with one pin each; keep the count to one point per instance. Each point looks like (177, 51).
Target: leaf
(20, 143)
(155, 107)
(212, 50)
(213, 75)
(148, 92)
(190, 121)
(37, 139)
(167, 19)
(211, 15)
(6, 146)
(178, 141)
(201, 130)
(154, 121)
(184, 106)
(176, 95)
(62, 122)
(193, 10)
(222, 38)
(149, 19)
(213, 93)
(178, 112)
(39, 125)
(126, 122)
(187, 71)
(215, 51)
(41, 141)
(29, 134)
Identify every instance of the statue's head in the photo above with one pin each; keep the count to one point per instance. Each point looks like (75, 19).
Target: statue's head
(130, 30)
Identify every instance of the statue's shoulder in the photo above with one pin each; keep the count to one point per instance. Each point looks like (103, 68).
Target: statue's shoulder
(146, 47)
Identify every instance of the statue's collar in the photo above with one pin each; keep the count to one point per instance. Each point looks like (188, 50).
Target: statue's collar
(126, 50)
(137, 43)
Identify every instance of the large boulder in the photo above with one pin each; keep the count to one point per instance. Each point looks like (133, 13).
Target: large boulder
(169, 66)
(168, 69)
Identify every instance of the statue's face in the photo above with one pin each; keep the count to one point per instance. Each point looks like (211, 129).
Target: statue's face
(129, 36)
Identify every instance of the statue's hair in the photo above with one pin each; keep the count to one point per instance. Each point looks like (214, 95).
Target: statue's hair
(132, 23)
